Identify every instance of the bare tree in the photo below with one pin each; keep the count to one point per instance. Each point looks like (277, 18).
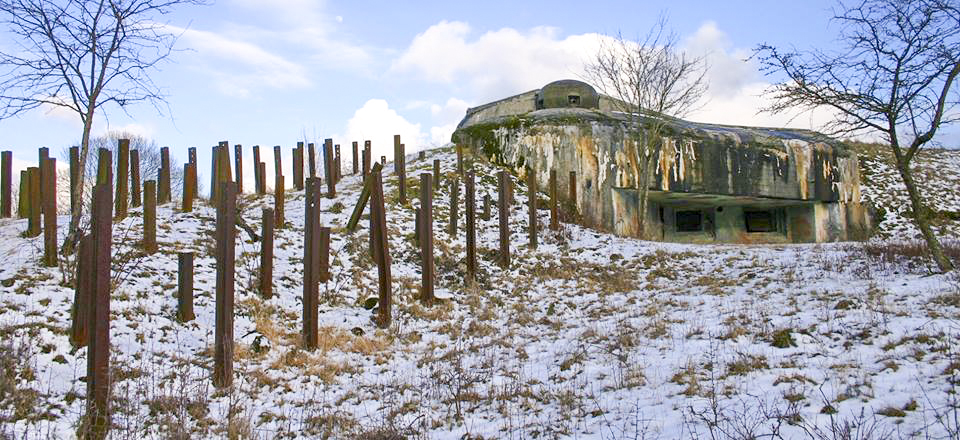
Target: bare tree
(892, 76)
(147, 148)
(654, 81)
(83, 55)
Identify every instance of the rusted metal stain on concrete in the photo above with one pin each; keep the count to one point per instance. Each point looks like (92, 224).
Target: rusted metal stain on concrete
(737, 162)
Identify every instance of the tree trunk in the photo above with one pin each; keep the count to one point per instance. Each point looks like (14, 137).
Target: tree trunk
(643, 194)
(76, 213)
(920, 217)
(644, 153)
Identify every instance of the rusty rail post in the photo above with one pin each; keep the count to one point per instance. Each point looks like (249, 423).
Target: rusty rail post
(436, 174)
(257, 176)
(312, 159)
(426, 239)
(82, 290)
(163, 177)
(6, 183)
(226, 262)
(23, 204)
(185, 286)
(367, 157)
(98, 342)
(396, 154)
(44, 154)
(336, 160)
(454, 205)
(150, 216)
(486, 207)
(214, 170)
(381, 252)
(262, 167)
(123, 168)
(298, 166)
(135, 199)
(104, 164)
(33, 201)
(362, 200)
(554, 220)
(238, 166)
(188, 191)
(192, 160)
(224, 168)
(402, 173)
(50, 213)
(278, 201)
(277, 166)
(471, 227)
(459, 160)
(324, 274)
(573, 188)
(532, 203)
(74, 177)
(328, 168)
(416, 224)
(355, 147)
(266, 254)
(311, 255)
(503, 211)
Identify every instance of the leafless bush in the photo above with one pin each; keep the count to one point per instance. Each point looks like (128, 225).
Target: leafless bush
(861, 427)
(906, 254)
(149, 153)
(456, 373)
(18, 401)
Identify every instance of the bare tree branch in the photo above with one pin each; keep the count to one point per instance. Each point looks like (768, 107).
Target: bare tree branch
(653, 81)
(84, 56)
(895, 76)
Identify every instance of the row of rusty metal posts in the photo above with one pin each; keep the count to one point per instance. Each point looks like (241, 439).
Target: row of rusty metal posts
(91, 311)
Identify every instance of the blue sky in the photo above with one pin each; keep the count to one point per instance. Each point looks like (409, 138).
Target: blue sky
(275, 72)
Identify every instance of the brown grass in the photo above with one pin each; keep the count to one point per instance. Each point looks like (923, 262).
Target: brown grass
(909, 253)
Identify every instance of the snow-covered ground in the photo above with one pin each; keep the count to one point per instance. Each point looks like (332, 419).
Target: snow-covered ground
(588, 336)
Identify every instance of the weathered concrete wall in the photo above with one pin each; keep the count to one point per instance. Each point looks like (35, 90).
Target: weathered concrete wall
(610, 105)
(514, 105)
(738, 165)
(742, 164)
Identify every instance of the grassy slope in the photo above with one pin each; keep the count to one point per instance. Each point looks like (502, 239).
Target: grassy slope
(591, 336)
(936, 171)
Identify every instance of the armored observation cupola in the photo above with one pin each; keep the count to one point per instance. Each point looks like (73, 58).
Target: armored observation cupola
(567, 93)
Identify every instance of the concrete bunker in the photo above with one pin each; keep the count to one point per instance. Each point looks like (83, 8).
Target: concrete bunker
(708, 183)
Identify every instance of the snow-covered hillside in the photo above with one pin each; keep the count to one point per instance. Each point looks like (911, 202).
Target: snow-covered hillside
(937, 173)
(589, 336)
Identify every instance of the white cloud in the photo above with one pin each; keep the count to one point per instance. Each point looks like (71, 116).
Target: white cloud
(454, 108)
(730, 69)
(446, 117)
(440, 135)
(377, 122)
(736, 87)
(504, 62)
(132, 128)
(238, 66)
(496, 64)
(307, 30)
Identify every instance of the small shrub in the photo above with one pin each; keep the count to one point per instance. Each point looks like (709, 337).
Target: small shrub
(747, 363)
(892, 412)
(783, 339)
